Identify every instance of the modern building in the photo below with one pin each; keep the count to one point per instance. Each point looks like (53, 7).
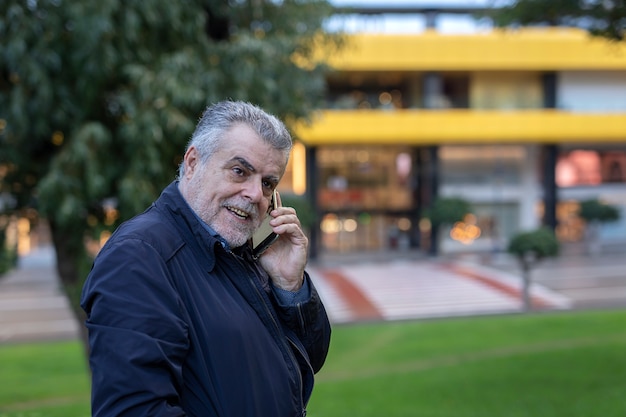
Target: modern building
(524, 124)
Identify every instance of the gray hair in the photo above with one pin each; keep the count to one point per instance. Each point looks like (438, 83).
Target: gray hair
(220, 117)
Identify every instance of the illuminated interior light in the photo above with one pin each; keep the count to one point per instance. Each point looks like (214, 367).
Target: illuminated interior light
(299, 168)
(404, 224)
(384, 98)
(350, 225)
(330, 224)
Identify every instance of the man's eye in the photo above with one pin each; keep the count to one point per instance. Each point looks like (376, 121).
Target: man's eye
(238, 171)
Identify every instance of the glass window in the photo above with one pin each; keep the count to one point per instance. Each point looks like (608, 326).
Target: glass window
(481, 165)
(364, 232)
(488, 227)
(494, 90)
(590, 167)
(365, 178)
(368, 91)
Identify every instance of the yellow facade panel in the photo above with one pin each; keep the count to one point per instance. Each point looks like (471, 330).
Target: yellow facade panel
(423, 127)
(527, 49)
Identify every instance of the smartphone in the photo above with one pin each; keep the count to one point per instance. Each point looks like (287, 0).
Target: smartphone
(264, 235)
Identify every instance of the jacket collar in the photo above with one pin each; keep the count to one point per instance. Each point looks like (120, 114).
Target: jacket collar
(189, 223)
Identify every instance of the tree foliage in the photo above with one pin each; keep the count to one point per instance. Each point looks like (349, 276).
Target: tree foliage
(98, 98)
(595, 210)
(448, 210)
(8, 250)
(536, 244)
(605, 18)
(529, 248)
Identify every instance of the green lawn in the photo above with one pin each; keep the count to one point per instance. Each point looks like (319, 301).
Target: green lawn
(44, 380)
(537, 365)
(570, 364)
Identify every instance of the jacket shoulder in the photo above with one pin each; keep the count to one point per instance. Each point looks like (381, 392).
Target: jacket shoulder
(153, 228)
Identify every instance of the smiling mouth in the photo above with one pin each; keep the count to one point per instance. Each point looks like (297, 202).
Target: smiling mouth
(239, 213)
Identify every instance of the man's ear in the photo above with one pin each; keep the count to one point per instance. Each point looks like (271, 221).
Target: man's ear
(191, 160)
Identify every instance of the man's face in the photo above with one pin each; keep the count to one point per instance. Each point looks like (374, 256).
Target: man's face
(232, 191)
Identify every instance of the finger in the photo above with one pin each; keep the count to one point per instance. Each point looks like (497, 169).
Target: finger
(288, 217)
(288, 230)
(285, 211)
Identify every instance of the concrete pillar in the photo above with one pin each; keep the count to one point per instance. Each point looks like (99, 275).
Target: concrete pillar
(549, 81)
(530, 189)
(432, 90)
(312, 184)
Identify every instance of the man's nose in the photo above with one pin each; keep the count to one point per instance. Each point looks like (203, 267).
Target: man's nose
(254, 191)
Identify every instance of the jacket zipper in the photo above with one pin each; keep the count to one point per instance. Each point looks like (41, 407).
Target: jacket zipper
(294, 361)
(295, 345)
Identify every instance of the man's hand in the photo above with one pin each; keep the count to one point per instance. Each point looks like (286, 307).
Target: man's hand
(285, 260)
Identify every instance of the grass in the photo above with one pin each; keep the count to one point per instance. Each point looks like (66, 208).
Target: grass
(569, 364)
(540, 365)
(44, 380)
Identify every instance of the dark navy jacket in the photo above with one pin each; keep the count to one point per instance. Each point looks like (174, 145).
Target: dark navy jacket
(178, 326)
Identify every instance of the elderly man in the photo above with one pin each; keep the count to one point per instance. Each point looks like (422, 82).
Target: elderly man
(183, 320)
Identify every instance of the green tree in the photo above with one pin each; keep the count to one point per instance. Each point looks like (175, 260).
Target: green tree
(530, 248)
(8, 250)
(596, 212)
(445, 211)
(98, 98)
(605, 18)
(448, 210)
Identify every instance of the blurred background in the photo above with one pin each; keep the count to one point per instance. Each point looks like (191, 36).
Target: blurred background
(427, 133)
(417, 101)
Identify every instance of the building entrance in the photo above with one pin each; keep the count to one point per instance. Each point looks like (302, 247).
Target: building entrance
(365, 196)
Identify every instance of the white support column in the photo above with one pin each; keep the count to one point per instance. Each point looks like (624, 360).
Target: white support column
(530, 187)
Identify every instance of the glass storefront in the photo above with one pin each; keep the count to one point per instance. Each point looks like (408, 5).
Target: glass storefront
(367, 201)
(591, 172)
(481, 165)
(582, 167)
(365, 196)
(492, 179)
(364, 232)
(365, 178)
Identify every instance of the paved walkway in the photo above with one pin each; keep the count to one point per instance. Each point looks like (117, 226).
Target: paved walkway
(362, 288)
(410, 289)
(32, 306)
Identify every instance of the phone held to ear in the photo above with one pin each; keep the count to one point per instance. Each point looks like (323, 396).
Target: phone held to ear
(264, 235)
